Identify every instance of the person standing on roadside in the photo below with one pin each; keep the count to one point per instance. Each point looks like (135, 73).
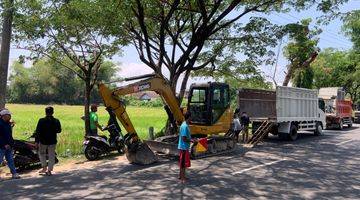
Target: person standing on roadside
(94, 121)
(46, 138)
(6, 141)
(237, 127)
(245, 121)
(184, 146)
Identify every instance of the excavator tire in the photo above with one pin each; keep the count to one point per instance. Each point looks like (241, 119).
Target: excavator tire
(141, 155)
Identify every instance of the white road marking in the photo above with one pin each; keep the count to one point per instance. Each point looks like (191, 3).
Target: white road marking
(341, 143)
(258, 166)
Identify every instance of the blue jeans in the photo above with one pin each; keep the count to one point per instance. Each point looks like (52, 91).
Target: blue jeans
(9, 158)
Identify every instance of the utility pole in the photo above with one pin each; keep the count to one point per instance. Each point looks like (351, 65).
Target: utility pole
(5, 49)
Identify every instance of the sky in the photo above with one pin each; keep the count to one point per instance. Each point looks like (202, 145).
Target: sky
(332, 36)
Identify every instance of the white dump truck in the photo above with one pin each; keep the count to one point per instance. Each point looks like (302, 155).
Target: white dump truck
(289, 110)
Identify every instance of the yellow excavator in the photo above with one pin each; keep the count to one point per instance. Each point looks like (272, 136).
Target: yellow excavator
(208, 103)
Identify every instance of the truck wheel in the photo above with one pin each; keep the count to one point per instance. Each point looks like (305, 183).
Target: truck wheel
(350, 124)
(341, 125)
(293, 133)
(318, 129)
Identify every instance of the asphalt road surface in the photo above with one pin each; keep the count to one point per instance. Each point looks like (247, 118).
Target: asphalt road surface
(325, 167)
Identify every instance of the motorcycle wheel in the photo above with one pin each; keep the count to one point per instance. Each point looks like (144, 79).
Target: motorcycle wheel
(91, 153)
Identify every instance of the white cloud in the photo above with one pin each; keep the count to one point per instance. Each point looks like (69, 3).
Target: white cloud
(133, 69)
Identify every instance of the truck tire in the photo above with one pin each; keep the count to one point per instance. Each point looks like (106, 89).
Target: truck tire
(293, 135)
(350, 124)
(318, 129)
(341, 125)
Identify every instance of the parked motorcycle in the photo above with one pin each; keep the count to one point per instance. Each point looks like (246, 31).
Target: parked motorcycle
(96, 146)
(26, 153)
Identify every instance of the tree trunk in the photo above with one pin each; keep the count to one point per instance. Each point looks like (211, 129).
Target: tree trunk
(288, 76)
(5, 50)
(87, 105)
(303, 65)
(183, 87)
(169, 129)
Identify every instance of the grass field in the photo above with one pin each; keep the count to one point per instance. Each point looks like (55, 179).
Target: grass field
(71, 138)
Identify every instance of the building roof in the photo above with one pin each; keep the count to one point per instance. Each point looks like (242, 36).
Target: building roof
(150, 94)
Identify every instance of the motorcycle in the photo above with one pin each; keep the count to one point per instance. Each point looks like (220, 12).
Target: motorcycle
(96, 146)
(26, 153)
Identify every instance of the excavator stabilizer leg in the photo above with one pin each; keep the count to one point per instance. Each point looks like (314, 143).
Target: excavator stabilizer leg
(141, 155)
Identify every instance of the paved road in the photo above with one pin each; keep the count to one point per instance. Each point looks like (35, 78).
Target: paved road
(326, 167)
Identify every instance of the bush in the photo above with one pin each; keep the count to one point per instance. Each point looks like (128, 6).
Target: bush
(132, 101)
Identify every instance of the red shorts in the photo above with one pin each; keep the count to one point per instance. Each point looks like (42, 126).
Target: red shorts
(184, 158)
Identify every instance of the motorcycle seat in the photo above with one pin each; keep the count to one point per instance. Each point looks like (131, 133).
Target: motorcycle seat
(103, 136)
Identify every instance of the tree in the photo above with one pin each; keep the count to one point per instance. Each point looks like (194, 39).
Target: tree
(69, 30)
(335, 68)
(300, 52)
(47, 82)
(351, 28)
(178, 37)
(8, 9)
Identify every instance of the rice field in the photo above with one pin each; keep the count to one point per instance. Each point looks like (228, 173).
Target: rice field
(72, 135)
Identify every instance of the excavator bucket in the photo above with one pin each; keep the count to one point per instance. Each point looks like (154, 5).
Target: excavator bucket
(141, 155)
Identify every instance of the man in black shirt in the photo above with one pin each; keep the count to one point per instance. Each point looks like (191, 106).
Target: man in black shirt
(46, 137)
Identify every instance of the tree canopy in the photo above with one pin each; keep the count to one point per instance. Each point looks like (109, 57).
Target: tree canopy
(176, 38)
(47, 82)
(301, 51)
(76, 31)
(334, 68)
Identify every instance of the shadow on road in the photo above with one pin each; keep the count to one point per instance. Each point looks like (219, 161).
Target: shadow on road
(312, 169)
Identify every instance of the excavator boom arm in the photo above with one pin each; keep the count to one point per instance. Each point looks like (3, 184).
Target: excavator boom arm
(112, 99)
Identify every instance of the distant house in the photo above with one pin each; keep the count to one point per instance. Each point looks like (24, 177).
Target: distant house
(145, 96)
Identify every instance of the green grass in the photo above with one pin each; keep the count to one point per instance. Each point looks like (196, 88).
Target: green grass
(72, 135)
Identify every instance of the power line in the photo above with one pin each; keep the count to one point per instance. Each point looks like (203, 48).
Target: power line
(326, 31)
(337, 39)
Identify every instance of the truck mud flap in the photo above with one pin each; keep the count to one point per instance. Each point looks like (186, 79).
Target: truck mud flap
(163, 147)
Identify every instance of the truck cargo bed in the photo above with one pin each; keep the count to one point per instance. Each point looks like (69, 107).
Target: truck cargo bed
(283, 105)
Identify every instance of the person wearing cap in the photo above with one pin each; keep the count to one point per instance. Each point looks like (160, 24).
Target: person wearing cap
(6, 142)
(94, 122)
(46, 138)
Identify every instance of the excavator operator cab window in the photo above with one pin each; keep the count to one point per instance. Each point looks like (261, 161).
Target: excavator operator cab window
(198, 106)
(208, 103)
(219, 101)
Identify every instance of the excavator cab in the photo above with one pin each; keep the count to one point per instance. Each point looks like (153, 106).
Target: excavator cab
(207, 102)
